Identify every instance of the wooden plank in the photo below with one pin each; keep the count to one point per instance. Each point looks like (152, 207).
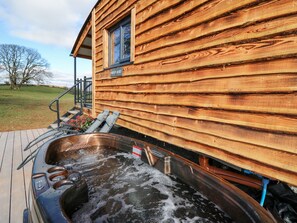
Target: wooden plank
(27, 168)
(5, 179)
(279, 159)
(3, 140)
(240, 18)
(267, 103)
(266, 170)
(103, 7)
(105, 51)
(285, 66)
(162, 17)
(18, 198)
(270, 141)
(82, 37)
(132, 41)
(267, 122)
(262, 30)
(158, 7)
(142, 5)
(250, 84)
(98, 41)
(115, 13)
(274, 48)
(206, 12)
(95, 57)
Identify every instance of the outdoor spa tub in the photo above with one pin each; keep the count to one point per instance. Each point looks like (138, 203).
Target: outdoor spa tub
(113, 178)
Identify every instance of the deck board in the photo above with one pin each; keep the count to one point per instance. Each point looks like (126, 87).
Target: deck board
(5, 179)
(14, 183)
(3, 139)
(18, 199)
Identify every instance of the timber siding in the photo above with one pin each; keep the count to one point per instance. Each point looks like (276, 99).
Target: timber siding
(215, 76)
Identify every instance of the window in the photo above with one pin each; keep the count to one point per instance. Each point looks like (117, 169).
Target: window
(120, 42)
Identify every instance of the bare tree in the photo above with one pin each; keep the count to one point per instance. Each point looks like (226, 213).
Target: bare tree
(23, 65)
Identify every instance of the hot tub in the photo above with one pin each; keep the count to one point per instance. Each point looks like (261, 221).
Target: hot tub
(112, 178)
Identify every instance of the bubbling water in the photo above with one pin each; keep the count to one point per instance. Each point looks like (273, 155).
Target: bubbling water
(125, 189)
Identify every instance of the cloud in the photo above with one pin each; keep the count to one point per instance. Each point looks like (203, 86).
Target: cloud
(45, 21)
(64, 79)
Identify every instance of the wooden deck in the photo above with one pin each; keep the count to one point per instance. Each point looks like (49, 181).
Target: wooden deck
(14, 183)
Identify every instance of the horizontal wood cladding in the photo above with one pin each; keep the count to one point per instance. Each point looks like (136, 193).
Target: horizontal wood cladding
(112, 14)
(206, 12)
(266, 122)
(266, 170)
(234, 36)
(285, 66)
(214, 10)
(156, 7)
(277, 47)
(265, 103)
(240, 19)
(218, 77)
(249, 138)
(250, 84)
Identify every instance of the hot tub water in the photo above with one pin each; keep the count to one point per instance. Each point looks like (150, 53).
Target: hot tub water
(125, 189)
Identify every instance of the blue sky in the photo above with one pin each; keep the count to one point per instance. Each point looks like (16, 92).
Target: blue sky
(51, 28)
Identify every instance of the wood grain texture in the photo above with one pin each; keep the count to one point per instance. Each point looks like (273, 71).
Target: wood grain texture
(285, 66)
(246, 136)
(82, 38)
(259, 154)
(277, 47)
(238, 19)
(217, 77)
(206, 12)
(234, 36)
(267, 170)
(266, 103)
(155, 8)
(257, 121)
(118, 10)
(251, 84)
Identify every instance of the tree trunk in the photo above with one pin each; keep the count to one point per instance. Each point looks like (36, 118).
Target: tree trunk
(13, 85)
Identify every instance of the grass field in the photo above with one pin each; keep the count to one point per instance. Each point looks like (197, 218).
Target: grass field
(27, 108)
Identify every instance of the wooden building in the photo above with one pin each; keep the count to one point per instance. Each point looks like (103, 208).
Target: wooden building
(218, 77)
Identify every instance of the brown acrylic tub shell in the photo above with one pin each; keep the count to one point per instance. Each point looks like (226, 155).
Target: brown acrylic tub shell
(238, 205)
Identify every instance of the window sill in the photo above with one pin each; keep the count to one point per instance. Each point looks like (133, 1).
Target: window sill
(118, 65)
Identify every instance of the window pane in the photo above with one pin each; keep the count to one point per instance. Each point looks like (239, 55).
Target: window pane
(126, 41)
(115, 46)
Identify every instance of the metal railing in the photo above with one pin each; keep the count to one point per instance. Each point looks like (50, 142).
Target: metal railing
(82, 91)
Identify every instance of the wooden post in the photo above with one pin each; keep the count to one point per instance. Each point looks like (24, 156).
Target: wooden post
(93, 60)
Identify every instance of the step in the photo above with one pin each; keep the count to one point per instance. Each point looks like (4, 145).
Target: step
(54, 125)
(65, 119)
(74, 112)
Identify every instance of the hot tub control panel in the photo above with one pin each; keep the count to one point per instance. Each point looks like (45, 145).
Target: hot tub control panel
(40, 184)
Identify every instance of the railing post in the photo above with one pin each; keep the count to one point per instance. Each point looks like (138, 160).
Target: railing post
(81, 95)
(77, 91)
(58, 113)
(84, 89)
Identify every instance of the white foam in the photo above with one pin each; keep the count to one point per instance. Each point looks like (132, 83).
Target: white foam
(126, 186)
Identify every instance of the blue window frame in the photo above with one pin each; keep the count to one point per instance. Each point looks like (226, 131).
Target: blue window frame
(120, 42)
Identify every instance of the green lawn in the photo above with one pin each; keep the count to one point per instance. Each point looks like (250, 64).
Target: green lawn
(27, 108)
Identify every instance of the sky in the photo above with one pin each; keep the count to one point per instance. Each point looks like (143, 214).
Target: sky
(50, 27)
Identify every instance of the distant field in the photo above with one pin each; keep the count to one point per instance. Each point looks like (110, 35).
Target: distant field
(27, 108)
